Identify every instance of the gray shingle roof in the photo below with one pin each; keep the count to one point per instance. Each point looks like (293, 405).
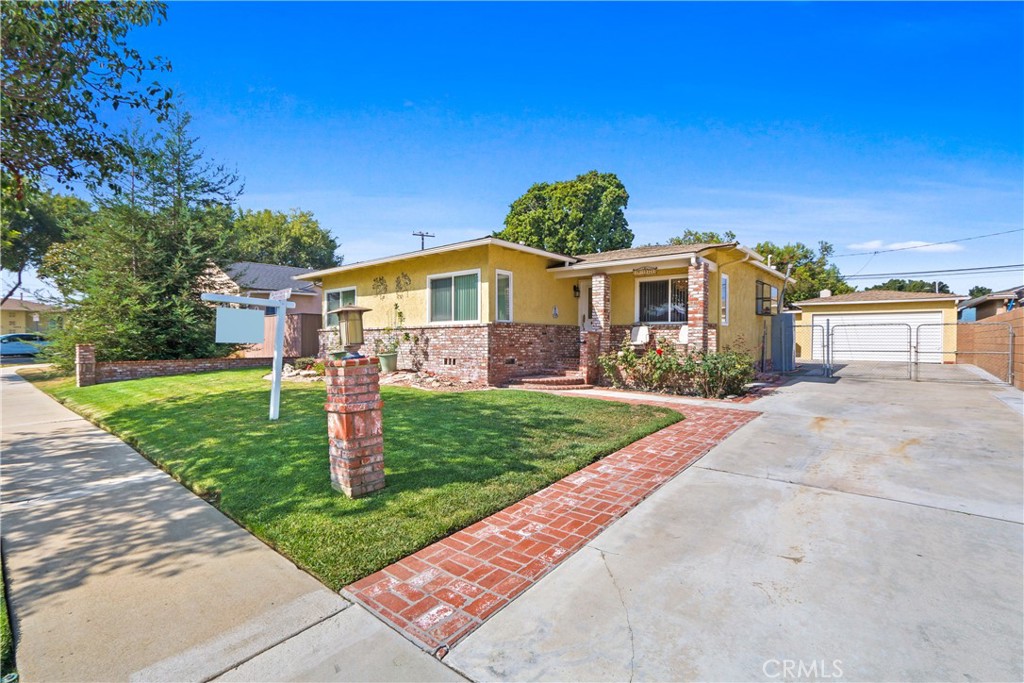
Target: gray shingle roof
(267, 276)
(647, 252)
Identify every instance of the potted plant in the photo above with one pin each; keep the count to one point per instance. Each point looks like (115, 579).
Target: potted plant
(386, 345)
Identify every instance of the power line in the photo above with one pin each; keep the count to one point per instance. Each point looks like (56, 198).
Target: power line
(929, 244)
(952, 271)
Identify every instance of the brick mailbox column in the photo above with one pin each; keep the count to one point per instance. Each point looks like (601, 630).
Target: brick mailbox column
(85, 365)
(354, 427)
(589, 351)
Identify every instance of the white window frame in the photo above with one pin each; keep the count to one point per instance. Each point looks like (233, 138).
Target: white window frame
(339, 291)
(511, 315)
(723, 304)
(453, 275)
(657, 278)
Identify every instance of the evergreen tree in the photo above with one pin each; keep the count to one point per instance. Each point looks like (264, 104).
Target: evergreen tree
(132, 276)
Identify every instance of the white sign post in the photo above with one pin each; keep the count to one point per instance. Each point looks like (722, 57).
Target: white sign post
(281, 306)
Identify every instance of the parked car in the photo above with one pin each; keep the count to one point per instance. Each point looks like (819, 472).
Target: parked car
(22, 344)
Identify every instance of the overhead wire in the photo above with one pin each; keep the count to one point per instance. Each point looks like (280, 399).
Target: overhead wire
(928, 244)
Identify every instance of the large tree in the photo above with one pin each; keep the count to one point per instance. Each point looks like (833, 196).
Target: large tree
(65, 63)
(691, 236)
(897, 285)
(132, 276)
(287, 239)
(578, 216)
(31, 225)
(811, 270)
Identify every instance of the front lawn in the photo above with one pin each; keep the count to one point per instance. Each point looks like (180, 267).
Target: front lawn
(451, 458)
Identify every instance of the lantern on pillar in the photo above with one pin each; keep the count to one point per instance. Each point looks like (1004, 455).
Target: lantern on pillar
(350, 329)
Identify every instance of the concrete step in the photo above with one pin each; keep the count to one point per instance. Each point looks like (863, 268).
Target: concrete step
(550, 387)
(551, 380)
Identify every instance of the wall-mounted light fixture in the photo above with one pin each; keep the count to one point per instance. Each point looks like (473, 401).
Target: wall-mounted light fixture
(576, 291)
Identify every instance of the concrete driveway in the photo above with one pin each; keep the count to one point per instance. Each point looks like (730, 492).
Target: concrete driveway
(858, 530)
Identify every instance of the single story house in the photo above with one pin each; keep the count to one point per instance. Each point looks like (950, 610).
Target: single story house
(988, 305)
(20, 315)
(878, 325)
(489, 310)
(259, 281)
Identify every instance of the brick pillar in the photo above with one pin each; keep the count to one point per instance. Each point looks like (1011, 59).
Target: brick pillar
(85, 365)
(697, 305)
(354, 427)
(589, 351)
(602, 285)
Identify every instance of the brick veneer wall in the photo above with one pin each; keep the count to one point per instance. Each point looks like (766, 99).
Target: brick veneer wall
(520, 349)
(491, 354)
(119, 371)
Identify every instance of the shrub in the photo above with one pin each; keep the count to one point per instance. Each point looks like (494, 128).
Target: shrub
(319, 368)
(304, 363)
(662, 368)
(717, 374)
(657, 369)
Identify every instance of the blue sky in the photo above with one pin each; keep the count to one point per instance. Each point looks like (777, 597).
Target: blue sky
(866, 125)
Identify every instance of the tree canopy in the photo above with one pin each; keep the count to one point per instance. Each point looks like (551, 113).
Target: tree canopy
(292, 239)
(63, 64)
(897, 285)
(691, 236)
(132, 276)
(811, 270)
(32, 224)
(578, 216)
(979, 290)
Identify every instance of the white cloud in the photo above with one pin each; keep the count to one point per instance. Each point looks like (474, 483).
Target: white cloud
(912, 245)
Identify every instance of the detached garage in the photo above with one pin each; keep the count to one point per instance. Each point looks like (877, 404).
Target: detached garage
(879, 326)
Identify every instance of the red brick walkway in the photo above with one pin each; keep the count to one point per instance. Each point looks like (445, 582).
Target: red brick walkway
(447, 590)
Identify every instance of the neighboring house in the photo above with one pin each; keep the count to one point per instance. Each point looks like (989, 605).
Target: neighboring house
(488, 310)
(879, 325)
(988, 305)
(259, 280)
(19, 315)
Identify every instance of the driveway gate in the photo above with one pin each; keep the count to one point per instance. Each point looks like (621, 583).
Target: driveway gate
(923, 352)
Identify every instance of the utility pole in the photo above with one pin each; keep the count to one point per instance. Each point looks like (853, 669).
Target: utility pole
(423, 236)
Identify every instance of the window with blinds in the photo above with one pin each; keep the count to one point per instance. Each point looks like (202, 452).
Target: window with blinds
(455, 298)
(663, 301)
(336, 298)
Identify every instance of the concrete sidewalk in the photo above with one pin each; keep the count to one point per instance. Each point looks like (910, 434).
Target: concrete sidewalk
(858, 530)
(116, 572)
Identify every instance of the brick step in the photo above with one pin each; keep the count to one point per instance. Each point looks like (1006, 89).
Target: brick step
(550, 387)
(552, 380)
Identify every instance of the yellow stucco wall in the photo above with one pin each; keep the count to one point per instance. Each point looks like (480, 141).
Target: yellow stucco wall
(535, 292)
(745, 329)
(806, 316)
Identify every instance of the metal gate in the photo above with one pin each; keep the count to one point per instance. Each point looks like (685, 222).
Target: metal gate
(948, 352)
(983, 352)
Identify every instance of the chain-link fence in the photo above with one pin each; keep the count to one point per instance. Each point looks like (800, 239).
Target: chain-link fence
(950, 352)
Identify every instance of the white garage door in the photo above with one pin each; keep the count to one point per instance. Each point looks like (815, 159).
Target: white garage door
(881, 336)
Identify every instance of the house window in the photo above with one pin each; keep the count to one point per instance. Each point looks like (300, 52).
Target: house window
(336, 298)
(503, 296)
(723, 313)
(766, 298)
(662, 301)
(454, 297)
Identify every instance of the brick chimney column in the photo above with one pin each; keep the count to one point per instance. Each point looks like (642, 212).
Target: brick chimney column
(354, 426)
(602, 284)
(699, 296)
(85, 365)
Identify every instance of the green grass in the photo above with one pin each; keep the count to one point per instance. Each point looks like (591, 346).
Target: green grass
(451, 458)
(6, 636)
